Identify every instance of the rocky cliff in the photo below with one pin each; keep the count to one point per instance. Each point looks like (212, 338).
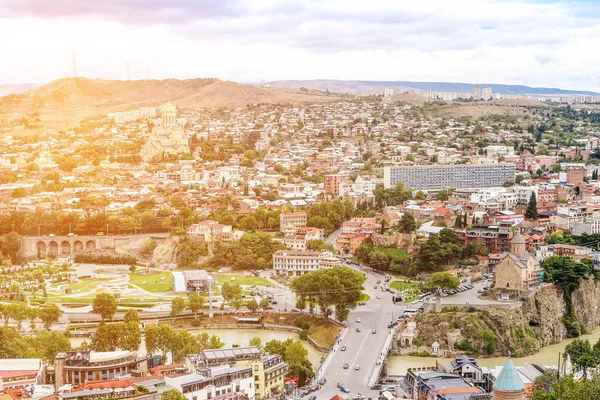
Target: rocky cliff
(522, 331)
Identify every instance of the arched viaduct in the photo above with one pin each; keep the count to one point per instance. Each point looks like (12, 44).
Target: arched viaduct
(66, 246)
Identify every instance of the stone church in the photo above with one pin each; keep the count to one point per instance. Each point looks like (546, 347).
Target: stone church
(167, 138)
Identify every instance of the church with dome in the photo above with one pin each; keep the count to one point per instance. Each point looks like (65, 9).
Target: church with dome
(166, 139)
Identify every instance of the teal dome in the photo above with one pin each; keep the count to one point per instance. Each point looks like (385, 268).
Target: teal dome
(509, 379)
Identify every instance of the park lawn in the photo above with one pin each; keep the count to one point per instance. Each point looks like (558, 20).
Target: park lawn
(402, 286)
(364, 297)
(154, 283)
(241, 280)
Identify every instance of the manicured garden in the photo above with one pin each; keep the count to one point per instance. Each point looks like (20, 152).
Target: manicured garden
(157, 283)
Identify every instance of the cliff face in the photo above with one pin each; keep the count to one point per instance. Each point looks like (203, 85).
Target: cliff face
(523, 331)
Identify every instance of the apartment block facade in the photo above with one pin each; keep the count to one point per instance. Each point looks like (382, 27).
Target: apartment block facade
(439, 177)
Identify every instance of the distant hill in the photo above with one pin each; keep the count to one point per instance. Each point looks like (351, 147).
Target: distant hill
(65, 102)
(353, 86)
(16, 88)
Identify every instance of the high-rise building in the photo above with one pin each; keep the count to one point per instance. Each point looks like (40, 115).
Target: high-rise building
(486, 93)
(439, 177)
(476, 92)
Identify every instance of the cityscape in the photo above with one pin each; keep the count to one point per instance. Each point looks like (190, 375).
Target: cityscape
(243, 201)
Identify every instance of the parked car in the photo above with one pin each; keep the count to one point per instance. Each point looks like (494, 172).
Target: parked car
(343, 348)
(346, 366)
(379, 296)
(374, 331)
(357, 367)
(362, 303)
(358, 320)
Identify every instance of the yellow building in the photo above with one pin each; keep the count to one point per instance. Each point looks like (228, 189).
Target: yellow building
(167, 138)
(269, 370)
(269, 375)
(518, 269)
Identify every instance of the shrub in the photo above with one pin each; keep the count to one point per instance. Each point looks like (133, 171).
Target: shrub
(450, 309)
(303, 334)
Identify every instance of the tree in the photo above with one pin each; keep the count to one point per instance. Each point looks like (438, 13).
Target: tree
(256, 342)
(232, 294)
(264, 304)
(531, 212)
(297, 358)
(150, 339)
(443, 280)
(172, 394)
(132, 315)
(177, 306)
(318, 245)
(106, 337)
(339, 287)
(105, 305)
(252, 305)
(50, 314)
(407, 223)
(420, 195)
(206, 341)
(195, 302)
(130, 336)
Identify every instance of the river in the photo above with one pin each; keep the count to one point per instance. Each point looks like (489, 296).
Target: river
(398, 365)
(241, 337)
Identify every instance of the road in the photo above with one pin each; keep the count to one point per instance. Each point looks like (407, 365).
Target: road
(362, 348)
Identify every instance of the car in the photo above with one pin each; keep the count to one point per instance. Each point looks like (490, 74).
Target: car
(273, 301)
(362, 303)
(357, 367)
(358, 320)
(295, 310)
(343, 348)
(344, 389)
(346, 366)
(357, 329)
(374, 331)
(480, 291)
(378, 282)
(375, 287)
(379, 296)
(312, 398)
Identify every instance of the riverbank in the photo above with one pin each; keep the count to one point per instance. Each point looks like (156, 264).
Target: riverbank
(547, 355)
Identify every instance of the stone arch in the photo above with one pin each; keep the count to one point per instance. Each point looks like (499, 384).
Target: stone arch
(53, 248)
(77, 246)
(65, 248)
(41, 248)
(90, 245)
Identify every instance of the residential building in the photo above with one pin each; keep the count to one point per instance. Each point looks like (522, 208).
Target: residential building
(496, 237)
(295, 242)
(21, 372)
(208, 230)
(77, 367)
(296, 263)
(268, 370)
(332, 183)
(290, 222)
(564, 250)
(439, 177)
(311, 233)
(215, 383)
(349, 241)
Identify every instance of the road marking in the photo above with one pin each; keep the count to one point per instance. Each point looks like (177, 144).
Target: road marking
(358, 352)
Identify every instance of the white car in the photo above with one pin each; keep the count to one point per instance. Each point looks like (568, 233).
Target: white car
(358, 320)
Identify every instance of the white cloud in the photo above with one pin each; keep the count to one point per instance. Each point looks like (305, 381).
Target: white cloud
(479, 41)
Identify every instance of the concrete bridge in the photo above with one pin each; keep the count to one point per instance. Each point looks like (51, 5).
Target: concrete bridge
(66, 246)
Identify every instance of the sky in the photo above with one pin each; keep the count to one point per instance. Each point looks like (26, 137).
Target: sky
(536, 43)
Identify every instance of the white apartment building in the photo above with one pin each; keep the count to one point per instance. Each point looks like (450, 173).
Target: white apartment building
(290, 222)
(497, 151)
(589, 226)
(207, 230)
(218, 383)
(296, 263)
(295, 242)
